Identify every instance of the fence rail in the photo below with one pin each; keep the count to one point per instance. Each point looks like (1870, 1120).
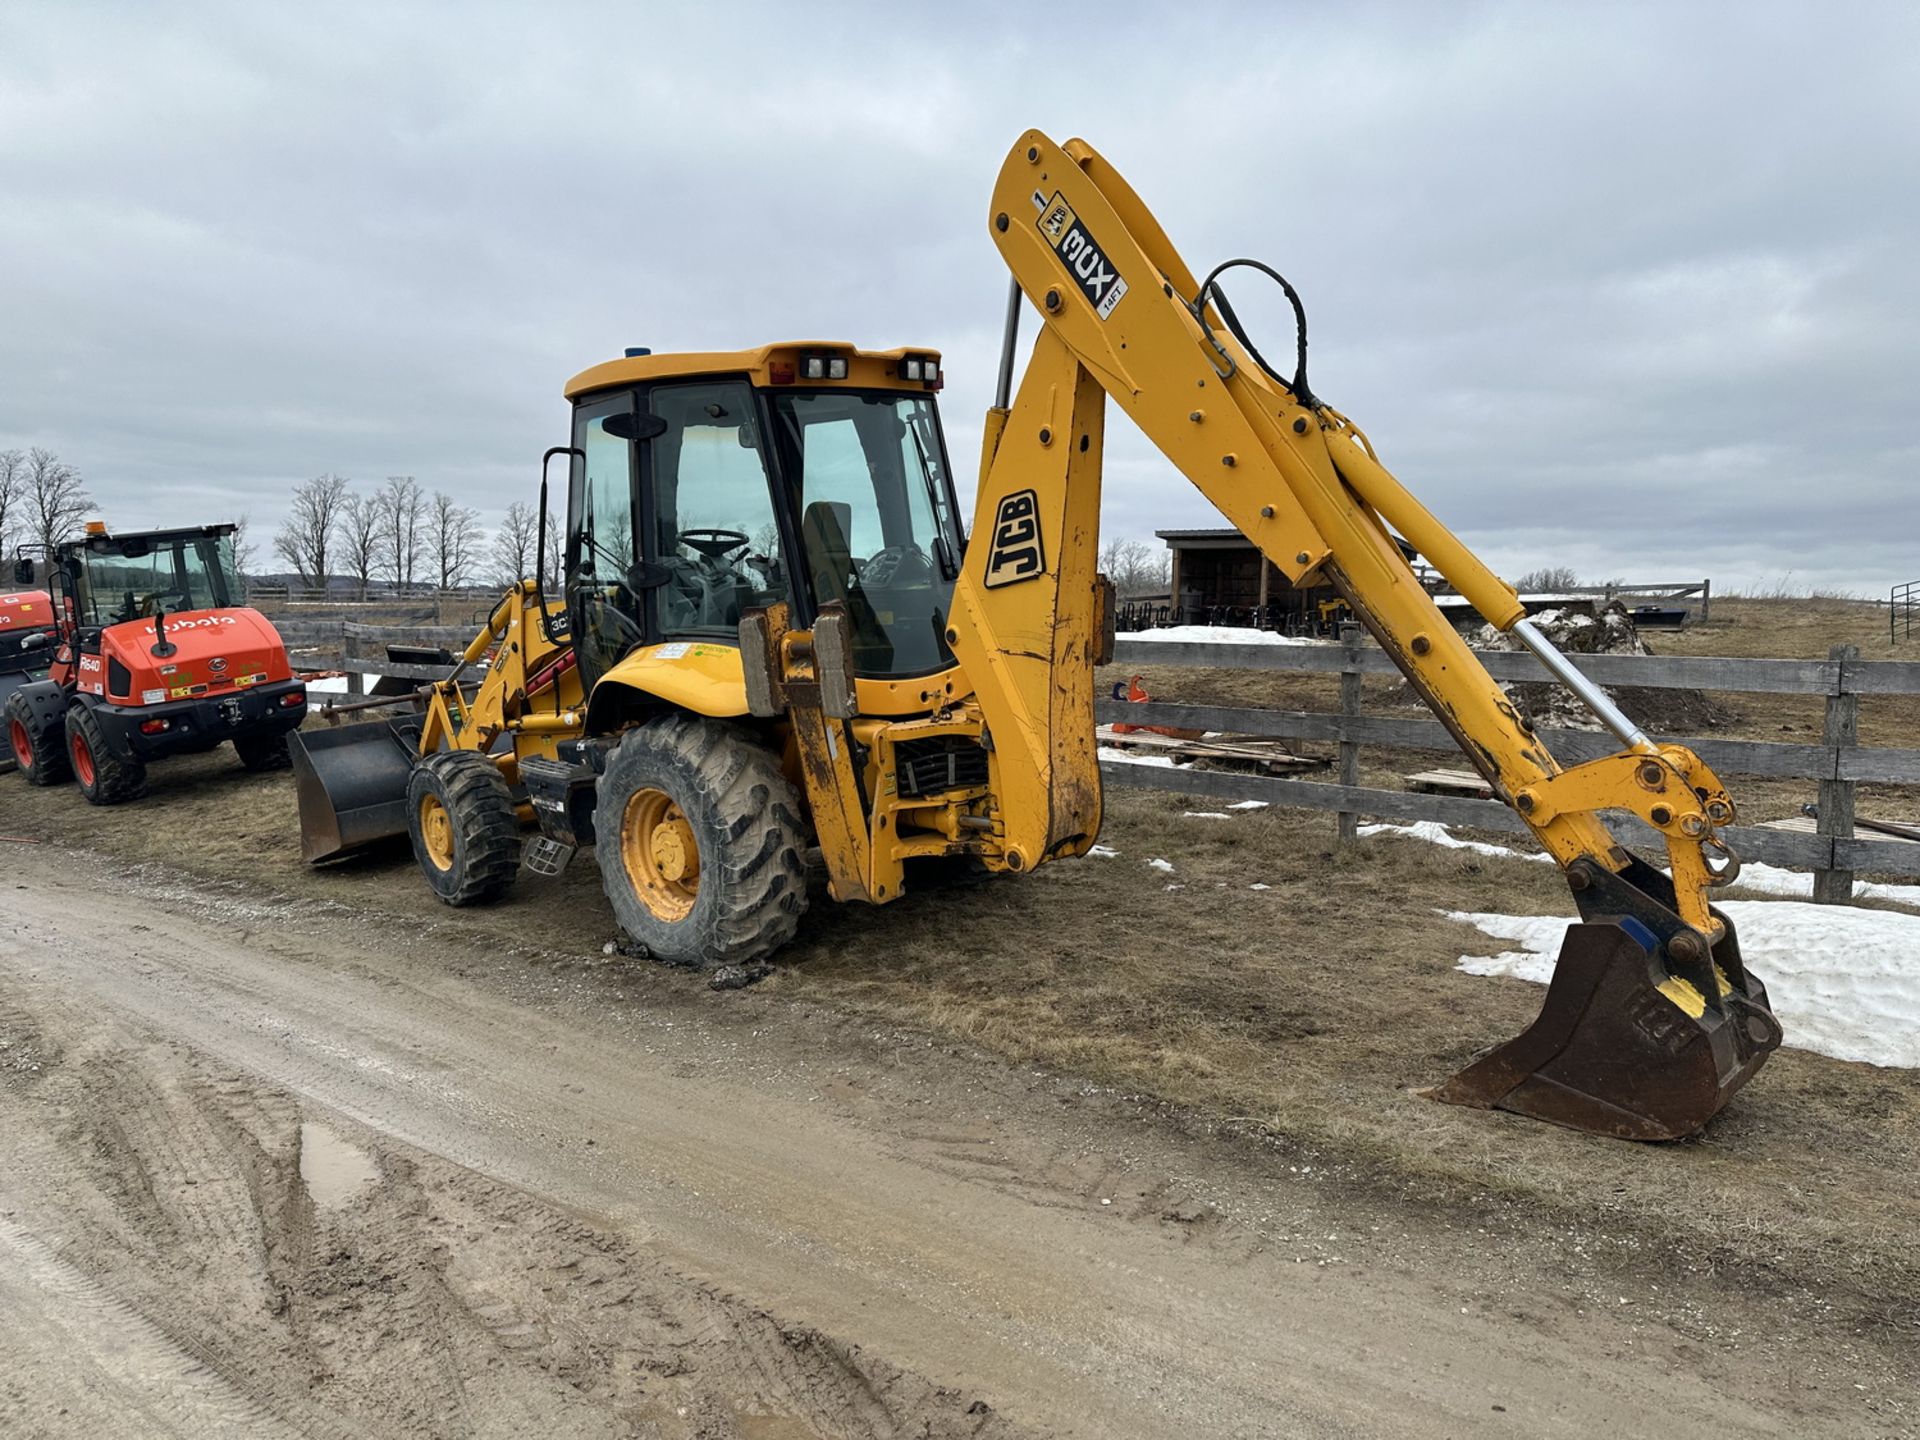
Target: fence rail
(1837, 765)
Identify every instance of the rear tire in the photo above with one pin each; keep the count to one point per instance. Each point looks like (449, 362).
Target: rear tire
(102, 778)
(464, 827)
(37, 747)
(699, 841)
(262, 752)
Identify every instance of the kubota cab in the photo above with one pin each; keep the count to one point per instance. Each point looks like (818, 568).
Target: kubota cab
(152, 655)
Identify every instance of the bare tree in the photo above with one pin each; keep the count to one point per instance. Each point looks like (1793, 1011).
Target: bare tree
(555, 541)
(456, 539)
(513, 544)
(362, 524)
(1546, 580)
(403, 528)
(245, 552)
(56, 499)
(13, 485)
(1135, 567)
(306, 539)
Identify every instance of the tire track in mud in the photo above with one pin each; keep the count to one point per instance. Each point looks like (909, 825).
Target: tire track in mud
(199, 1289)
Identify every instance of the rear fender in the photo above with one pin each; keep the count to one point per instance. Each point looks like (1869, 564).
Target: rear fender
(48, 704)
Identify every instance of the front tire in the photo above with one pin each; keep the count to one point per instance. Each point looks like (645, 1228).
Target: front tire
(103, 779)
(39, 748)
(465, 830)
(260, 753)
(699, 842)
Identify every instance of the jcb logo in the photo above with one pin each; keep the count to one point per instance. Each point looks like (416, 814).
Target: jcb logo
(1016, 553)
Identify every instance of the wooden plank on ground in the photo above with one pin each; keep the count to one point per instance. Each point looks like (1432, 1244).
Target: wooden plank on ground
(1266, 754)
(1450, 782)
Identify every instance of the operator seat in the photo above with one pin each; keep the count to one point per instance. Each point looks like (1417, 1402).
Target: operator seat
(824, 528)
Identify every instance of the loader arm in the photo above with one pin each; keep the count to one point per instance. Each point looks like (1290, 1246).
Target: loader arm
(1651, 1022)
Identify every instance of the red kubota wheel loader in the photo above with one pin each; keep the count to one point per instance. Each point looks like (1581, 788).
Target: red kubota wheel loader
(151, 656)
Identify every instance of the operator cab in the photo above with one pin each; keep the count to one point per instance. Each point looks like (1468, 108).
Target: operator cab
(704, 486)
(104, 580)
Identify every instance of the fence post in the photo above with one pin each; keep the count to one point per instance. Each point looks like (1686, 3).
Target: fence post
(1706, 600)
(1350, 683)
(1842, 733)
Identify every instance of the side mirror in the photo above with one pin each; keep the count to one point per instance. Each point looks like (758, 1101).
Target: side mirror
(540, 543)
(22, 571)
(643, 426)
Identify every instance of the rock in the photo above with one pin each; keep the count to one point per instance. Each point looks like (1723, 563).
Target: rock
(738, 977)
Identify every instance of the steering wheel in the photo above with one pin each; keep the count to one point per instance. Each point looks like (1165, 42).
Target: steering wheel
(897, 565)
(714, 544)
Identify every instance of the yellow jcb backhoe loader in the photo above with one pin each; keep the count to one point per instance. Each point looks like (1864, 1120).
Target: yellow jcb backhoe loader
(773, 635)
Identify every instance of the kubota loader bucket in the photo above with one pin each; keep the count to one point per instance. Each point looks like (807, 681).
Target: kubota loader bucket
(352, 784)
(1632, 1041)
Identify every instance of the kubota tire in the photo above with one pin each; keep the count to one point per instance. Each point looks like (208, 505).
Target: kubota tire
(39, 749)
(102, 778)
(262, 752)
(465, 830)
(700, 844)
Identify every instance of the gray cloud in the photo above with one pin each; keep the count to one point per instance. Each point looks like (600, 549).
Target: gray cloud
(1626, 288)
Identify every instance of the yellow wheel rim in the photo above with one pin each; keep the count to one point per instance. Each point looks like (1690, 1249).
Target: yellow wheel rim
(661, 857)
(436, 832)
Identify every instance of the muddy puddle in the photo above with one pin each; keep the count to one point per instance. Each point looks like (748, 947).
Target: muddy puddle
(333, 1169)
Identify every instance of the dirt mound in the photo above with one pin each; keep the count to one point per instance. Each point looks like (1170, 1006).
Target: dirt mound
(1609, 632)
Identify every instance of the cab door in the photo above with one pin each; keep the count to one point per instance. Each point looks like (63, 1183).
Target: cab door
(604, 575)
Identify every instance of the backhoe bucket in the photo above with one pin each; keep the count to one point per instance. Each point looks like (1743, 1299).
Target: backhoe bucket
(352, 784)
(1625, 1045)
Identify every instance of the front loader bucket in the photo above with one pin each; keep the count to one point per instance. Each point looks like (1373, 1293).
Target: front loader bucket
(352, 784)
(1615, 1053)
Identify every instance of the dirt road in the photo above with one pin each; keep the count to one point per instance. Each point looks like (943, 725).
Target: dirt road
(263, 1172)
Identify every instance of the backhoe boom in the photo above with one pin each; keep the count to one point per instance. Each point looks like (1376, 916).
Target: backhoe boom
(1124, 317)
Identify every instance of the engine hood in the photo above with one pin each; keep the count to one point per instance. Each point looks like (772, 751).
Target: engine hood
(25, 610)
(213, 651)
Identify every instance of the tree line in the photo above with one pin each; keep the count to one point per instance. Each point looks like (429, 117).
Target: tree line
(43, 500)
(399, 534)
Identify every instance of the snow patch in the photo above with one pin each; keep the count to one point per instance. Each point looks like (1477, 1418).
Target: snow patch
(1220, 635)
(1158, 864)
(1105, 852)
(1755, 875)
(1249, 805)
(1843, 982)
(1205, 815)
(1434, 833)
(1129, 757)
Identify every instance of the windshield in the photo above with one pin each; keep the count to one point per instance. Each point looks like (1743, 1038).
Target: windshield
(187, 573)
(876, 519)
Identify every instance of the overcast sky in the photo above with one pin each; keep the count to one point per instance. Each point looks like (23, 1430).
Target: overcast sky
(1629, 289)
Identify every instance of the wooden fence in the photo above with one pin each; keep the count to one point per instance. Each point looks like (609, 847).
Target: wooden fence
(1836, 766)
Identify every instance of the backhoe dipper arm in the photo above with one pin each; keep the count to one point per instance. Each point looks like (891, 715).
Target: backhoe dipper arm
(1125, 317)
